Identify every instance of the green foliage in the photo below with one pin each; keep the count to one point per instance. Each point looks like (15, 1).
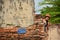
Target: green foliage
(54, 11)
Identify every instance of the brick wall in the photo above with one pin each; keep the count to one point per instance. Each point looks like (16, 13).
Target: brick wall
(32, 33)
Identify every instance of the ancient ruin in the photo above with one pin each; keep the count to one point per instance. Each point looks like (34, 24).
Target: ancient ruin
(16, 13)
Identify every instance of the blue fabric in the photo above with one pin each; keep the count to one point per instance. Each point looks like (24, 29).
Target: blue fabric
(21, 31)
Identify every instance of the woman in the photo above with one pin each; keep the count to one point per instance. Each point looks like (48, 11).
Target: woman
(45, 21)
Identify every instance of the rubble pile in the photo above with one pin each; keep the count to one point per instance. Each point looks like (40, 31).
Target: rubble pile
(33, 32)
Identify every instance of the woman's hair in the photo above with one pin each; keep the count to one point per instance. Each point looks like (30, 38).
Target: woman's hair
(47, 16)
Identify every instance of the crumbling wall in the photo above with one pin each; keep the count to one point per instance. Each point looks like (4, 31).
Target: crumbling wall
(17, 12)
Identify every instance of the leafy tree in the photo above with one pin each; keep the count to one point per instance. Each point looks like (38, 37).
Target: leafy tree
(54, 11)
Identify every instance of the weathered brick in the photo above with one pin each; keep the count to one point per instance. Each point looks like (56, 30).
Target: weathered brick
(31, 31)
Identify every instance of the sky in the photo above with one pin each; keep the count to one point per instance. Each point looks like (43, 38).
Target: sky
(37, 7)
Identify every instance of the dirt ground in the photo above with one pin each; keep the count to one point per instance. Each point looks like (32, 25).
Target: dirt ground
(53, 33)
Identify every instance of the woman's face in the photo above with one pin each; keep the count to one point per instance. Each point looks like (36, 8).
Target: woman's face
(47, 18)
